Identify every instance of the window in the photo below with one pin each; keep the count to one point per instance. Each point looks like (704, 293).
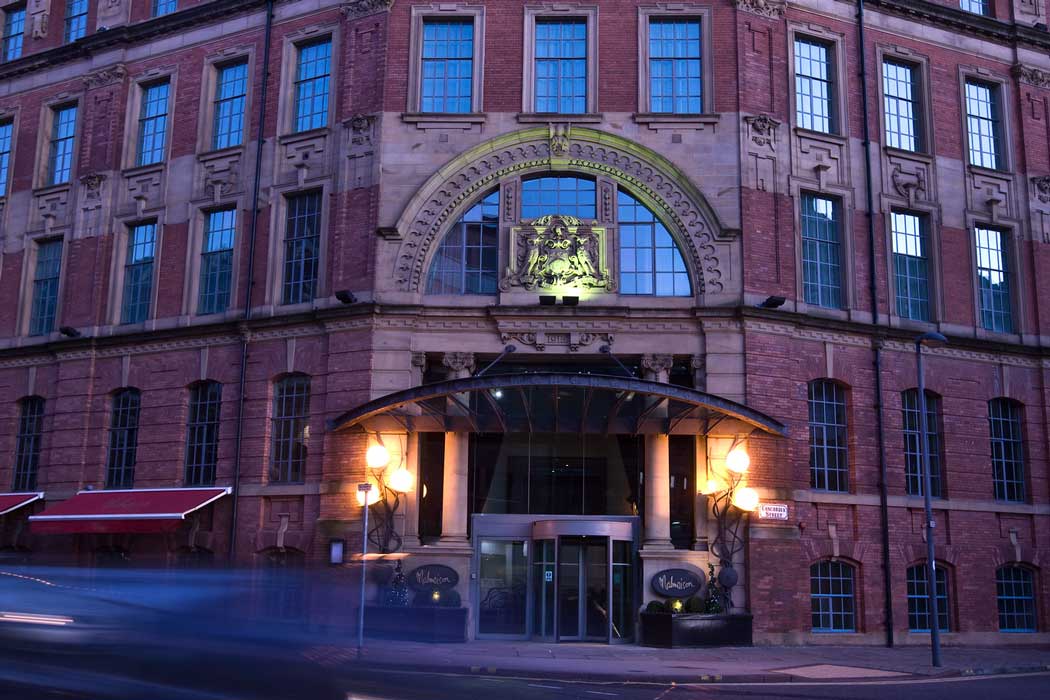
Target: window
(900, 91)
(153, 123)
(220, 230)
(983, 124)
(650, 262)
(202, 433)
(919, 599)
(978, 7)
(913, 472)
(814, 90)
(163, 7)
(567, 196)
(1015, 592)
(675, 76)
(468, 259)
(1007, 445)
(821, 252)
(828, 463)
(910, 266)
(60, 155)
(6, 133)
(831, 597)
(76, 19)
(312, 77)
(138, 273)
(561, 65)
(27, 448)
(993, 280)
(447, 65)
(231, 87)
(291, 411)
(123, 439)
(14, 26)
(45, 287)
(302, 239)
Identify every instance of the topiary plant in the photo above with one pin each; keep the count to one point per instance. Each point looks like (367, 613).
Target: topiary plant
(696, 604)
(713, 600)
(656, 606)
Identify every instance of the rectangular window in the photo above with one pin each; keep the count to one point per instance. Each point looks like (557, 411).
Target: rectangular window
(202, 433)
(291, 416)
(821, 252)
(561, 65)
(63, 135)
(6, 133)
(978, 7)
(45, 287)
(814, 90)
(447, 65)
(231, 88)
(27, 449)
(138, 273)
(14, 27)
(153, 123)
(913, 471)
(163, 7)
(1015, 599)
(1007, 445)
(910, 266)
(312, 78)
(832, 600)
(900, 91)
(76, 19)
(220, 230)
(302, 237)
(919, 599)
(828, 457)
(123, 440)
(675, 82)
(993, 280)
(983, 124)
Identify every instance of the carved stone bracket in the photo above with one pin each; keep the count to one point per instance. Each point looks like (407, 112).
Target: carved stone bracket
(52, 208)
(992, 192)
(560, 137)
(355, 9)
(105, 76)
(360, 150)
(762, 130)
(459, 362)
(145, 188)
(1041, 188)
(93, 185)
(773, 9)
(220, 174)
(1032, 76)
(305, 155)
(540, 340)
(657, 363)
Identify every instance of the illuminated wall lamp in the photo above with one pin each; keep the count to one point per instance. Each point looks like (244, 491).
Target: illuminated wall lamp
(336, 551)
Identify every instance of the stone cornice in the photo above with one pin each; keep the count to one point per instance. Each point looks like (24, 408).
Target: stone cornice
(956, 19)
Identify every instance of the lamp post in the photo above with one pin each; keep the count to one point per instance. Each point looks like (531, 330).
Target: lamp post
(933, 340)
(730, 501)
(364, 490)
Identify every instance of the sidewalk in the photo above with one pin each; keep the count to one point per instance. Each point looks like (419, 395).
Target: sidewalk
(629, 663)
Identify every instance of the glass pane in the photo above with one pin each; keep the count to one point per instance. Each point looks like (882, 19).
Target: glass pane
(569, 590)
(622, 591)
(597, 613)
(543, 588)
(501, 586)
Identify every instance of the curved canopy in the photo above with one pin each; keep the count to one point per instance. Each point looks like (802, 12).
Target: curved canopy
(550, 402)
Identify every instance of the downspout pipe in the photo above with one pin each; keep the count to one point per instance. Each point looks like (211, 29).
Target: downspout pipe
(249, 285)
(873, 290)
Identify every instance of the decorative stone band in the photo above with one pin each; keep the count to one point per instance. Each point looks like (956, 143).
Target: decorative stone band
(774, 9)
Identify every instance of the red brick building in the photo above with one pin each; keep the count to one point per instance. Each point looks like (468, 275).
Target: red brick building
(243, 241)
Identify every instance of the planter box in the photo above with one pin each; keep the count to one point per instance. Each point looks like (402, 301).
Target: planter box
(695, 630)
(420, 624)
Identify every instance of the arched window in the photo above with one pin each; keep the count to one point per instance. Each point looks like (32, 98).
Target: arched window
(650, 262)
(123, 439)
(565, 195)
(1015, 593)
(291, 414)
(467, 260)
(832, 597)
(828, 456)
(27, 449)
(1007, 445)
(202, 433)
(913, 473)
(919, 599)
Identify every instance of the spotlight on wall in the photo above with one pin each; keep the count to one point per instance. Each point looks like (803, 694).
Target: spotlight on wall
(548, 300)
(772, 303)
(69, 332)
(346, 296)
(570, 301)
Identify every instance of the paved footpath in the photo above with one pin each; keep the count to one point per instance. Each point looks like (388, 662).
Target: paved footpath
(629, 663)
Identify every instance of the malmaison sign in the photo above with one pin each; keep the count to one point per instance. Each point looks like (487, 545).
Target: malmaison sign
(676, 583)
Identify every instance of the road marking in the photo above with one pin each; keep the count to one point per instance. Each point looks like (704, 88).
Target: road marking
(540, 685)
(598, 692)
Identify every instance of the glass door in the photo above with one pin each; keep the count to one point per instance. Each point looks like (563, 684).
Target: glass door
(583, 589)
(570, 554)
(502, 588)
(543, 567)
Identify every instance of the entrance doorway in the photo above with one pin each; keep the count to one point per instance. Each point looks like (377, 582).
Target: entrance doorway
(583, 591)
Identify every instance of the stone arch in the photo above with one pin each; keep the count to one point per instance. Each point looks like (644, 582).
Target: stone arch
(650, 177)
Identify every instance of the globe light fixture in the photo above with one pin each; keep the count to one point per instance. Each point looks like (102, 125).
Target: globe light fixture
(377, 457)
(677, 605)
(367, 497)
(400, 480)
(713, 486)
(738, 460)
(746, 499)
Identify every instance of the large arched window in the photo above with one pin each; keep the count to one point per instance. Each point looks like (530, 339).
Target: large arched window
(468, 258)
(565, 195)
(650, 262)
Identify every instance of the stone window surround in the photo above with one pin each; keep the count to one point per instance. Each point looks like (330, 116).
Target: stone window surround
(837, 53)
(209, 78)
(278, 227)
(115, 300)
(675, 11)
(589, 13)
(289, 63)
(931, 213)
(1003, 86)
(198, 222)
(920, 63)
(12, 116)
(43, 147)
(25, 300)
(139, 83)
(421, 13)
(1012, 257)
(847, 210)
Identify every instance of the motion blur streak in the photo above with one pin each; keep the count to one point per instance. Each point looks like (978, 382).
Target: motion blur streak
(35, 619)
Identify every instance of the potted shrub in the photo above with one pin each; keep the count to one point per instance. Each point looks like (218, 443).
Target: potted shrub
(697, 621)
(435, 614)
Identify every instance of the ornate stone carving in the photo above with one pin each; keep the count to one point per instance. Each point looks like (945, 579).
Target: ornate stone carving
(909, 184)
(1041, 188)
(459, 361)
(774, 9)
(556, 251)
(360, 151)
(93, 185)
(305, 155)
(113, 74)
(560, 137)
(763, 130)
(52, 208)
(112, 13)
(540, 340)
(1032, 76)
(362, 8)
(145, 188)
(657, 363)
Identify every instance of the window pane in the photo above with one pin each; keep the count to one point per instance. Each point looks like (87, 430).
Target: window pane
(63, 133)
(163, 7)
(910, 266)
(76, 19)
(650, 261)
(231, 86)
(202, 433)
(993, 280)
(447, 65)
(913, 472)
(468, 258)
(902, 107)
(821, 252)
(831, 597)
(138, 273)
(982, 123)
(312, 84)
(828, 457)
(567, 196)
(302, 240)
(217, 261)
(980, 7)
(123, 440)
(27, 449)
(291, 410)
(1015, 593)
(6, 132)
(1007, 446)
(14, 27)
(153, 124)
(561, 65)
(919, 600)
(813, 86)
(45, 287)
(675, 73)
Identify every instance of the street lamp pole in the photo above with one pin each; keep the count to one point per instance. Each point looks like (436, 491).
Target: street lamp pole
(932, 340)
(365, 489)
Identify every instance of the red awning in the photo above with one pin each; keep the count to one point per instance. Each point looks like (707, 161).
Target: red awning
(14, 501)
(133, 510)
